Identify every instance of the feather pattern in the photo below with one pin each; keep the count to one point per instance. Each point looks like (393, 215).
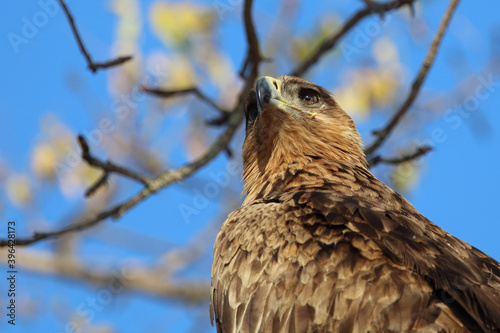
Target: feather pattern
(320, 245)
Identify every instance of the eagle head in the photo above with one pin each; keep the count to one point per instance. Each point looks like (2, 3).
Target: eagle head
(290, 122)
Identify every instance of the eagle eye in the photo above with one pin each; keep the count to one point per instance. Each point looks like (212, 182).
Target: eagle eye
(308, 96)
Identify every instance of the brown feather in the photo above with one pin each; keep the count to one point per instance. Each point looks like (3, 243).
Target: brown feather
(320, 245)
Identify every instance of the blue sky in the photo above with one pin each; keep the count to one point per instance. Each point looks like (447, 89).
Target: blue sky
(457, 186)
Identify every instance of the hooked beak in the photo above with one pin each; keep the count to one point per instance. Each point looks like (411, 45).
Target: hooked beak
(267, 90)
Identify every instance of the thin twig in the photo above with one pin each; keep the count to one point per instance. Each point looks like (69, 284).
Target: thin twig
(218, 121)
(131, 278)
(163, 180)
(166, 178)
(329, 43)
(82, 225)
(253, 57)
(229, 152)
(93, 66)
(235, 118)
(418, 82)
(221, 120)
(111, 63)
(244, 67)
(108, 166)
(179, 92)
(398, 160)
(103, 181)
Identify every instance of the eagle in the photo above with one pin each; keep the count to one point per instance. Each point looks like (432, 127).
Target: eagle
(321, 245)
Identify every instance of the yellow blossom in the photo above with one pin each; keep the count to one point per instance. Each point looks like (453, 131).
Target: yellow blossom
(18, 190)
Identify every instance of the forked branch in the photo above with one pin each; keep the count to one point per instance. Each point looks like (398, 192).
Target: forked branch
(417, 82)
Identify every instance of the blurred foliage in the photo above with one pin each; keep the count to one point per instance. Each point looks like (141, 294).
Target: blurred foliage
(372, 87)
(181, 24)
(127, 39)
(18, 189)
(150, 135)
(56, 157)
(191, 57)
(302, 45)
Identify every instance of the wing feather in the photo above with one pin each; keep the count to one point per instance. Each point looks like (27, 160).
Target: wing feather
(470, 277)
(318, 262)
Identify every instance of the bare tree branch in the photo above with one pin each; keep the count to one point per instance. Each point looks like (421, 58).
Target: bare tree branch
(154, 185)
(93, 66)
(398, 160)
(417, 83)
(103, 181)
(234, 119)
(329, 43)
(170, 176)
(132, 279)
(253, 57)
(221, 120)
(109, 167)
(171, 93)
